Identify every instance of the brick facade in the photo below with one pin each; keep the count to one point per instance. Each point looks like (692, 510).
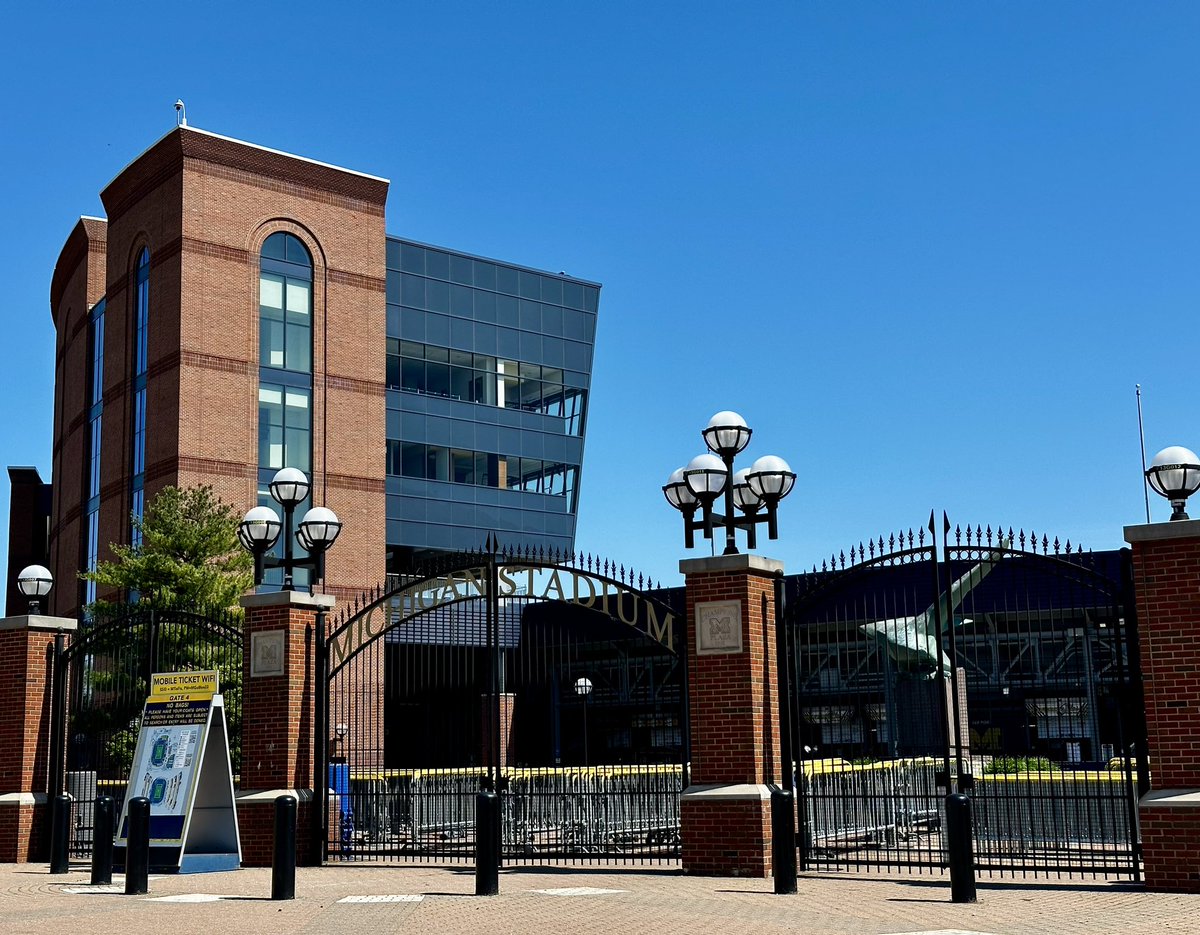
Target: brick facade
(732, 696)
(1166, 568)
(26, 675)
(203, 205)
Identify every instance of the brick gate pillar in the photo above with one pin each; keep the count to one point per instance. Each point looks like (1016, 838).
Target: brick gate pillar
(726, 810)
(1166, 575)
(278, 698)
(26, 677)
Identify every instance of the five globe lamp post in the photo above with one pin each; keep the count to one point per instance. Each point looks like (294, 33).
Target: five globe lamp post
(260, 529)
(1175, 475)
(709, 476)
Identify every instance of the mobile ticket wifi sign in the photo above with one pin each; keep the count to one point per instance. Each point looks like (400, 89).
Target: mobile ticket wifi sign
(181, 765)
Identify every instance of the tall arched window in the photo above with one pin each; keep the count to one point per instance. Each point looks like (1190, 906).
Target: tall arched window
(141, 317)
(285, 363)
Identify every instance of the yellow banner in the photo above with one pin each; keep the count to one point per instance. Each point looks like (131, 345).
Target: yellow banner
(183, 686)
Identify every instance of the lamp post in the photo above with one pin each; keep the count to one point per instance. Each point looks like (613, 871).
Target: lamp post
(1175, 474)
(710, 476)
(35, 582)
(260, 529)
(583, 688)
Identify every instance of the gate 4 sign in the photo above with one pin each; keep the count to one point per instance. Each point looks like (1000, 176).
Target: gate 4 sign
(182, 766)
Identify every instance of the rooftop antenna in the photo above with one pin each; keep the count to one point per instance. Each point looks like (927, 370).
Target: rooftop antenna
(1142, 435)
(180, 114)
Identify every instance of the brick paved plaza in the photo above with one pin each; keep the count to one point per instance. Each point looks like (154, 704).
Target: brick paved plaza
(418, 899)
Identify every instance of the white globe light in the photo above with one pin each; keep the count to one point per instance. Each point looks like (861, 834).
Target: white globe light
(1175, 474)
(676, 491)
(319, 528)
(289, 486)
(771, 478)
(706, 476)
(744, 497)
(727, 433)
(259, 529)
(35, 581)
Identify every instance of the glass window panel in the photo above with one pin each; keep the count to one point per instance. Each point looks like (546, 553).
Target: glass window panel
(552, 320)
(530, 371)
(460, 383)
(437, 379)
(552, 290)
(296, 399)
(591, 298)
(297, 448)
(531, 286)
(393, 290)
(461, 302)
(512, 473)
(483, 387)
(412, 259)
(506, 280)
(412, 459)
(270, 342)
(485, 274)
(572, 294)
(299, 348)
(531, 475)
(297, 297)
(507, 313)
(485, 469)
(556, 480)
(531, 315)
(270, 291)
(552, 374)
(461, 358)
(460, 269)
(273, 246)
(462, 467)
(440, 354)
(393, 370)
(392, 250)
(412, 349)
(412, 290)
(485, 306)
(412, 375)
(270, 398)
(437, 461)
(437, 295)
(295, 251)
(437, 264)
(393, 345)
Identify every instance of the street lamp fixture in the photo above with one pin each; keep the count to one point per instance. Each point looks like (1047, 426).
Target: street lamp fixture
(1175, 474)
(35, 582)
(583, 688)
(318, 530)
(710, 476)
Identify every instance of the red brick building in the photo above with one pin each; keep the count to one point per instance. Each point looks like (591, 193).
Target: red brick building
(242, 309)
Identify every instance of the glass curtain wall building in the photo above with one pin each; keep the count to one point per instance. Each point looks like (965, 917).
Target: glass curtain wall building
(488, 371)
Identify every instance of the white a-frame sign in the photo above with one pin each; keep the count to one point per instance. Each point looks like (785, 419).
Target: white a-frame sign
(182, 766)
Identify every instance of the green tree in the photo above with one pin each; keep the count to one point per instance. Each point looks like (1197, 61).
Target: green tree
(189, 559)
(189, 554)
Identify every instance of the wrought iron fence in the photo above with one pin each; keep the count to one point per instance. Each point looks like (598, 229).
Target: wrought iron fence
(102, 678)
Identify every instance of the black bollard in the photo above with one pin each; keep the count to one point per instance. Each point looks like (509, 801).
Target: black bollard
(60, 835)
(960, 848)
(283, 863)
(487, 843)
(783, 840)
(102, 841)
(137, 848)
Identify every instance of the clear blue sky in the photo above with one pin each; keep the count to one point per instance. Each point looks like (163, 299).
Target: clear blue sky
(925, 248)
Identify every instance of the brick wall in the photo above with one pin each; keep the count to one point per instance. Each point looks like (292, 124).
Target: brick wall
(1166, 568)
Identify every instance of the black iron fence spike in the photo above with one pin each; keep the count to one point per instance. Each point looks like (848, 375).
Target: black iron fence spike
(823, 565)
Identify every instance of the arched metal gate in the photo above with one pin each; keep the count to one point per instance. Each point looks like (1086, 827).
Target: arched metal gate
(557, 681)
(101, 680)
(1005, 665)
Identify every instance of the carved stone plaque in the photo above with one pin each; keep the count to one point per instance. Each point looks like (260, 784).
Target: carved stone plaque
(719, 627)
(266, 653)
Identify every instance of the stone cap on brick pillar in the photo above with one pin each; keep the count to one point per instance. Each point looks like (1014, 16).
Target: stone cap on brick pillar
(38, 622)
(738, 562)
(1155, 532)
(289, 599)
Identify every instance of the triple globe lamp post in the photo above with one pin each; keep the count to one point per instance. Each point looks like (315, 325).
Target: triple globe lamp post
(260, 530)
